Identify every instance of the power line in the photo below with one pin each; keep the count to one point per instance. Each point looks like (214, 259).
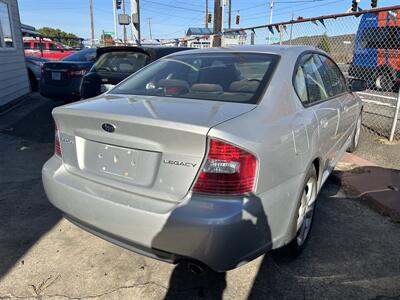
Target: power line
(173, 6)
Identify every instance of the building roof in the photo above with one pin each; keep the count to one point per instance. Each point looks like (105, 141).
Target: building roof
(199, 31)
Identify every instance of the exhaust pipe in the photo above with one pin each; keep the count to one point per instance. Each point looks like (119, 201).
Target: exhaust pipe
(196, 269)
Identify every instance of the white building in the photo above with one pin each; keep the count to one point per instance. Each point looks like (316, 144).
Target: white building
(14, 82)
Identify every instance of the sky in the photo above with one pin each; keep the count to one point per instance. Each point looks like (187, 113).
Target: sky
(171, 18)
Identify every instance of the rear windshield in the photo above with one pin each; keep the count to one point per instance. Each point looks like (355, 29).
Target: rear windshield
(82, 55)
(121, 62)
(228, 76)
(381, 37)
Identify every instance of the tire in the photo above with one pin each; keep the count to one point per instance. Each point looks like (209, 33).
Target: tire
(302, 226)
(386, 80)
(355, 139)
(33, 82)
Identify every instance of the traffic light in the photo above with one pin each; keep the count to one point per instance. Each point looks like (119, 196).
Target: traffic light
(354, 5)
(209, 17)
(237, 19)
(118, 4)
(374, 3)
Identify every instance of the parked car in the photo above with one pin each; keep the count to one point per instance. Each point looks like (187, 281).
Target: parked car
(46, 48)
(114, 64)
(213, 155)
(34, 65)
(376, 50)
(61, 80)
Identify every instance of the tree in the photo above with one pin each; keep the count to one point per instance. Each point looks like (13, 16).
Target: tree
(61, 36)
(324, 43)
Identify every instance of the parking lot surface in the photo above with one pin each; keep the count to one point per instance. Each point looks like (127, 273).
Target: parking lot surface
(353, 251)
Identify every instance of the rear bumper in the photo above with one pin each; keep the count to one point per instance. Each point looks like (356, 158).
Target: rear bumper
(71, 91)
(221, 233)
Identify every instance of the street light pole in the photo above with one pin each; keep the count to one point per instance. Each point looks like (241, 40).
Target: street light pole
(206, 18)
(91, 23)
(115, 22)
(151, 36)
(123, 11)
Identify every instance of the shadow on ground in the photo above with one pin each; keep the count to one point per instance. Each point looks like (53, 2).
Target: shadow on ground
(352, 254)
(25, 213)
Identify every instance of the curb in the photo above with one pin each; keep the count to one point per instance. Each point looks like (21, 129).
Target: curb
(378, 187)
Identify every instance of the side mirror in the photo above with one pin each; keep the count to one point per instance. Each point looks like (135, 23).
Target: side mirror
(357, 85)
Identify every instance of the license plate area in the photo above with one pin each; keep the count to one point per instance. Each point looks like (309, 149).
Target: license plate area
(115, 161)
(55, 76)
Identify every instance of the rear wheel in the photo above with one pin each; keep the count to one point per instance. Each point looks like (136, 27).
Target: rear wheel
(304, 216)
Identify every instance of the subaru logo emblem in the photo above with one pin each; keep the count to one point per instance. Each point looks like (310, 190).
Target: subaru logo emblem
(108, 127)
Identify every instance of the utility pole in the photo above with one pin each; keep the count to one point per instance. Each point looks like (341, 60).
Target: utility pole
(271, 9)
(134, 28)
(115, 22)
(230, 14)
(217, 23)
(138, 19)
(123, 11)
(151, 37)
(91, 23)
(206, 18)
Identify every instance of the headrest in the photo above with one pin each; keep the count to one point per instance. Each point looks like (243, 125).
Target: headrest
(207, 88)
(244, 86)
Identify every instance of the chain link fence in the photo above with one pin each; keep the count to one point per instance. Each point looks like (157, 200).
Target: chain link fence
(365, 45)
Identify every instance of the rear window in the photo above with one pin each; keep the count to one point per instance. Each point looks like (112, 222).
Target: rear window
(82, 55)
(228, 76)
(381, 37)
(121, 62)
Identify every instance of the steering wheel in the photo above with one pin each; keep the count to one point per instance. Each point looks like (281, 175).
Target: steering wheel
(254, 79)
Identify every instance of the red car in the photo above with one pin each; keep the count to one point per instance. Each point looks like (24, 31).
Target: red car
(46, 48)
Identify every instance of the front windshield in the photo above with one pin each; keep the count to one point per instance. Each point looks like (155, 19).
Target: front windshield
(82, 55)
(228, 76)
(121, 62)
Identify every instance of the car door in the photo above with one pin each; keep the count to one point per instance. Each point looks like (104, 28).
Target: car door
(339, 89)
(326, 109)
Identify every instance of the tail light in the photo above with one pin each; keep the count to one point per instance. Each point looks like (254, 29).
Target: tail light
(228, 170)
(57, 144)
(76, 73)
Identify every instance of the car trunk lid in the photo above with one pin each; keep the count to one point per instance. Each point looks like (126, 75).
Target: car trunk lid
(148, 145)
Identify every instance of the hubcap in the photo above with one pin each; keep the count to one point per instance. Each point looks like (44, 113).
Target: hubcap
(306, 210)
(383, 82)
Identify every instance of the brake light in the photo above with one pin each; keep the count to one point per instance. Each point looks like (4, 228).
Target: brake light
(57, 144)
(228, 170)
(73, 73)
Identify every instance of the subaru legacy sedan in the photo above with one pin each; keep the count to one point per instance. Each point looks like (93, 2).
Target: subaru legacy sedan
(212, 156)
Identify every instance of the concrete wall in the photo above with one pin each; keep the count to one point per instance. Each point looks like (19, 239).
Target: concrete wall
(14, 80)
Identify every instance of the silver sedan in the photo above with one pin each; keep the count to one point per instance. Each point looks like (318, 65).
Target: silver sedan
(213, 156)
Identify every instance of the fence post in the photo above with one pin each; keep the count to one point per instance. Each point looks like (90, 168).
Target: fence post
(396, 116)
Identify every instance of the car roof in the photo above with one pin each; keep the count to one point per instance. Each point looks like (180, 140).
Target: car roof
(273, 49)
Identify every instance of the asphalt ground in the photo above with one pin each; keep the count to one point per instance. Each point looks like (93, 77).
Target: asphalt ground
(353, 252)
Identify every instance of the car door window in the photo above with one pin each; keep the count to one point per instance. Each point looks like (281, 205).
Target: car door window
(335, 76)
(300, 85)
(315, 79)
(38, 46)
(54, 47)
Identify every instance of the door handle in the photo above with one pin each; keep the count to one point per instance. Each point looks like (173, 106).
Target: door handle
(324, 122)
